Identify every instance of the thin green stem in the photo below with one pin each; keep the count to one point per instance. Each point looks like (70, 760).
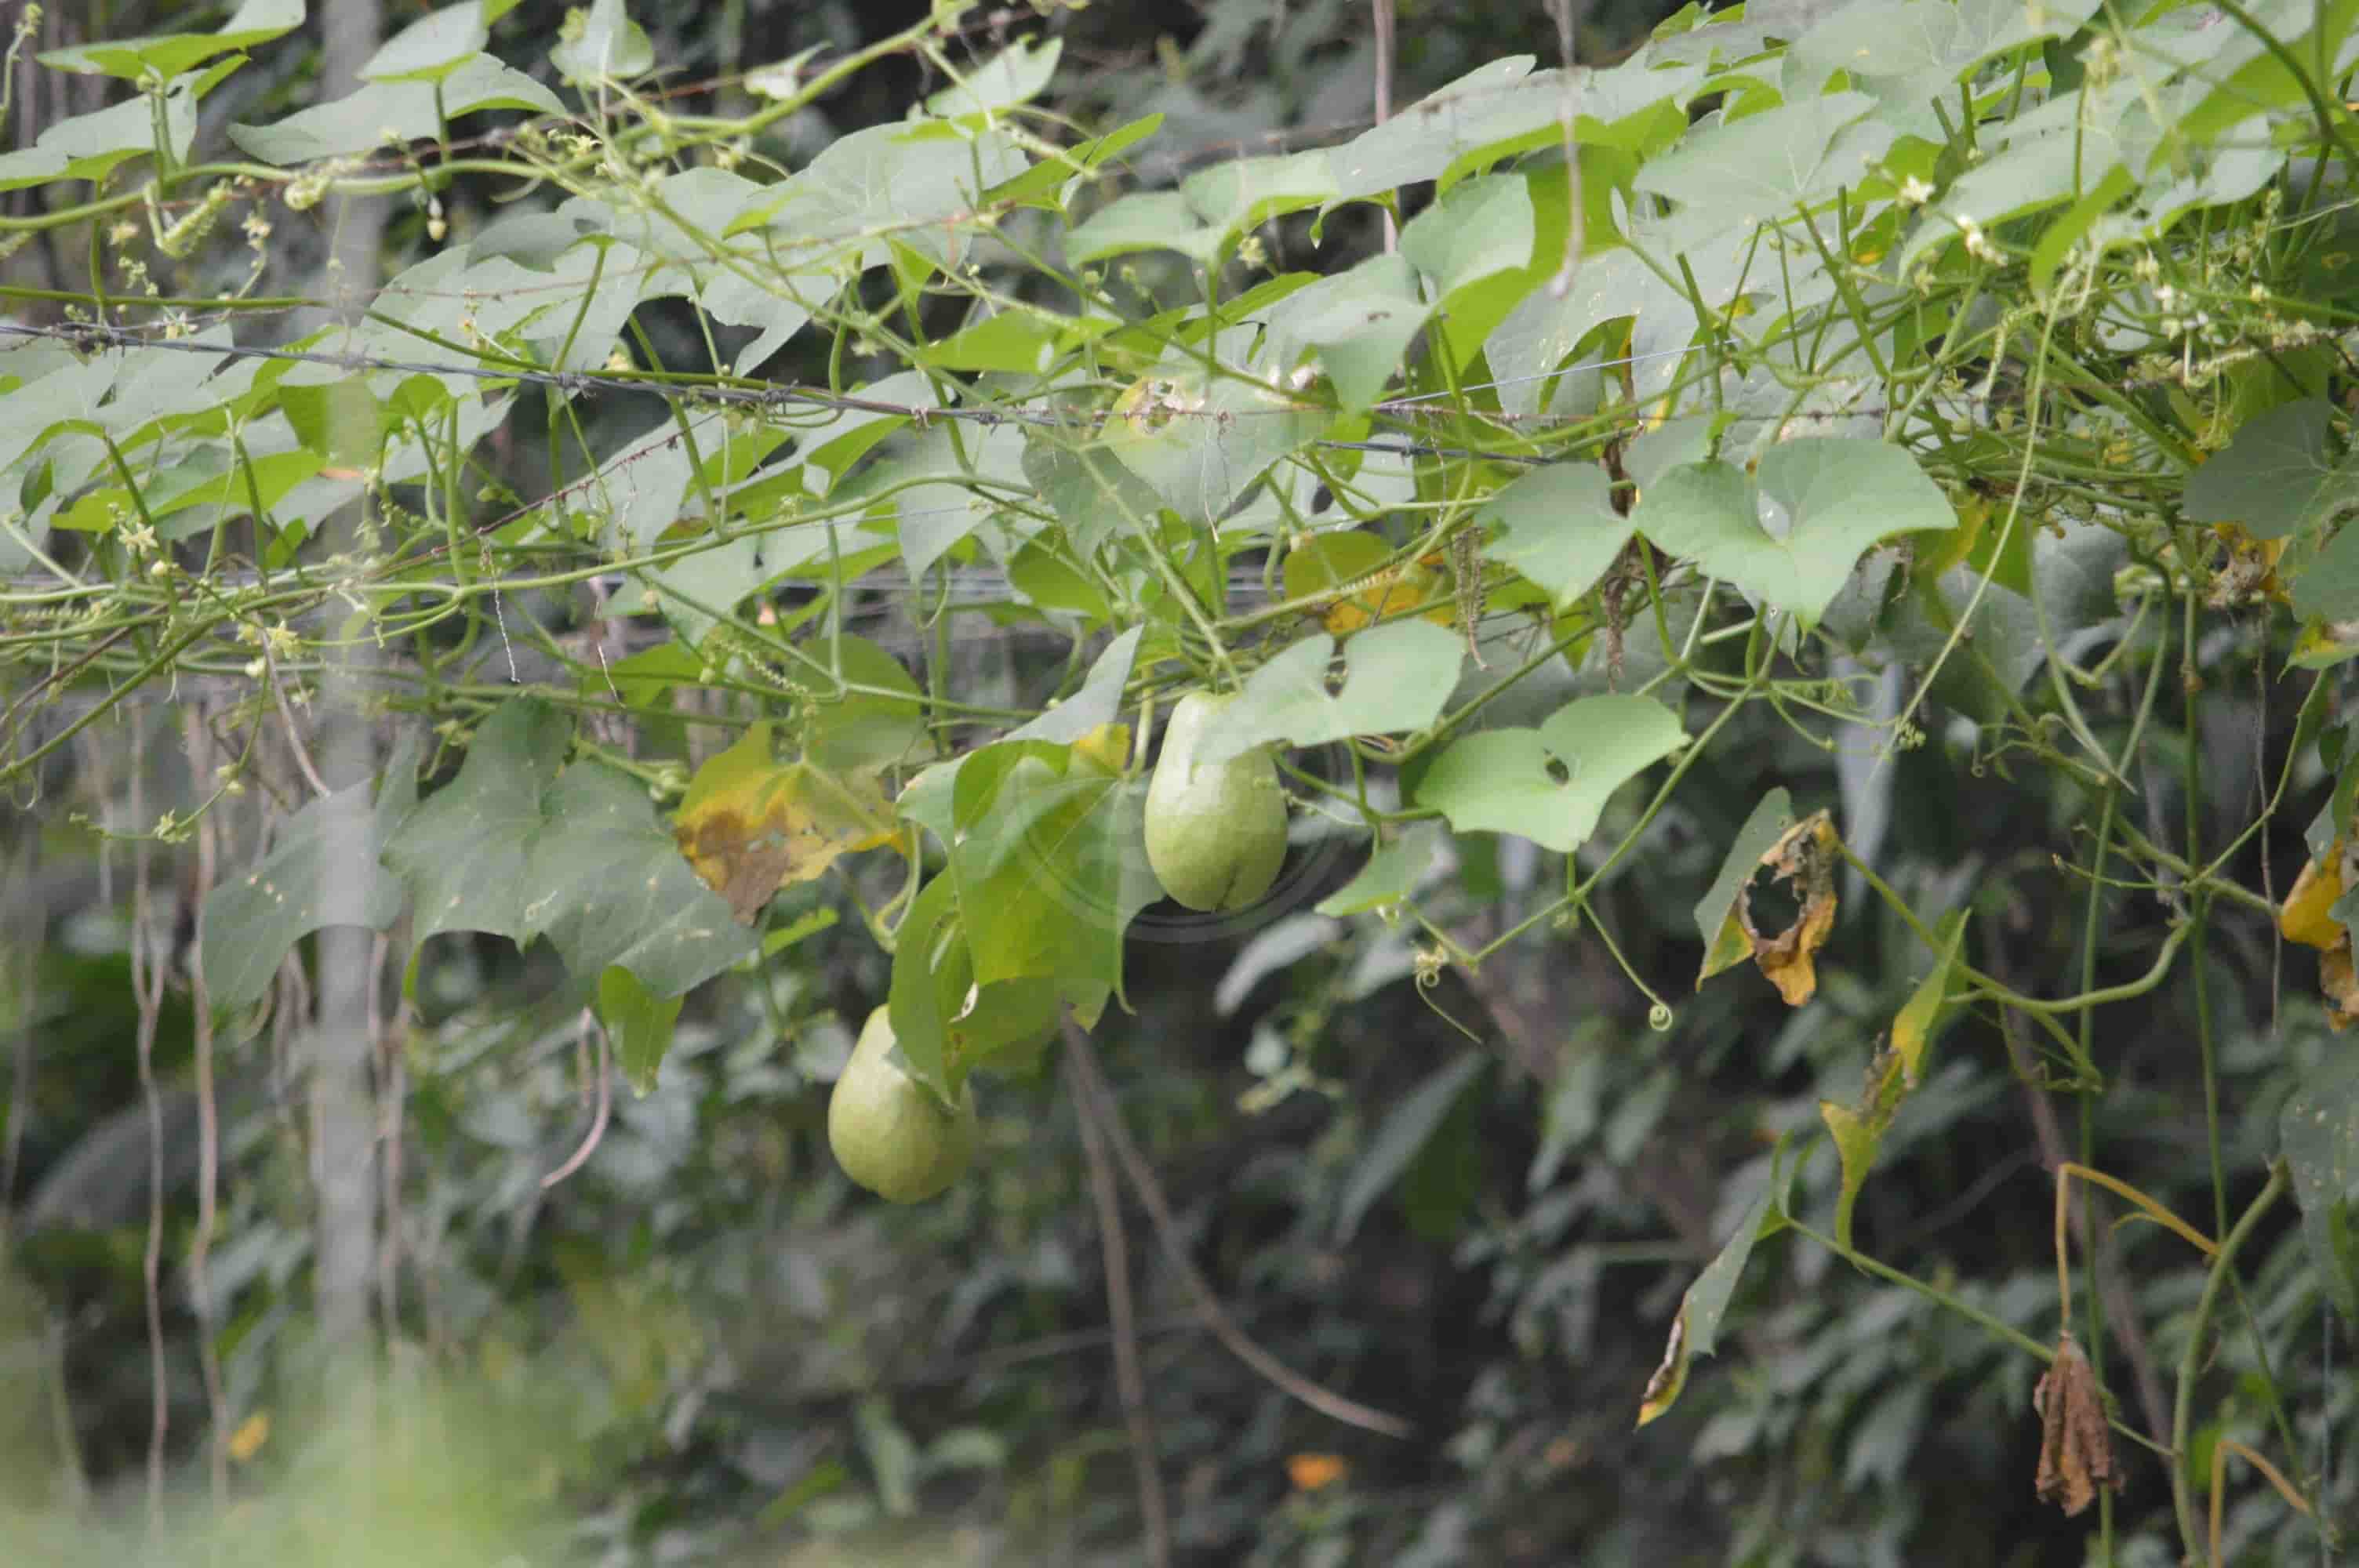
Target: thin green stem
(2192, 1357)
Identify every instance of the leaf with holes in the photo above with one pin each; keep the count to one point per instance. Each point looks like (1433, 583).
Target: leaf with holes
(1550, 784)
(1715, 914)
(1804, 857)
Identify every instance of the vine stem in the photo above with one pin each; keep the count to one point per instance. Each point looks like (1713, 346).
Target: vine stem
(2191, 1357)
(1129, 1377)
(1097, 1100)
(149, 970)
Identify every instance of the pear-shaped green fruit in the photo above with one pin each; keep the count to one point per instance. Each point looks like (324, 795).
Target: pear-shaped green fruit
(888, 1131)
(1215, 831)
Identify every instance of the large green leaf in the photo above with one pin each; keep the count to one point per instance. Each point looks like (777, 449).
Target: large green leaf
(1051, 843)
(89, 146)
(1098, 702)
(979, 469)
(638, 1023)
(895, 184)
(167, 55)
(1391, 874)
(945, 1023)
(1093, 496)
(1399, 677)
(1154, 221)
(2276, 475)
(2248, 79)
(1549, 783)
(438, 43)
(611, 46)
(1199, 447)
(883, 725)
(1476, 247)
(1641, 280)
(1762, 168)
(1559, 529)
(252, 918)
(1016, 75)
(1360, 322)
(1504, 108)
(1238, 193)
(1908, 54)
(523, 845)
(2319, 1133)
(1792, 535)
(406, 108)
(1018, 340)
(1403, 1136)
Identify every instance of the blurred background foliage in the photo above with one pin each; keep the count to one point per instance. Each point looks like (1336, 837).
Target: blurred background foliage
(705, 1346)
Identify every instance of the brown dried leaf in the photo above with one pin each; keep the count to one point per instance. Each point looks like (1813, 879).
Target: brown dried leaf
(749, 824)
(2076, 1451)
(2341, 985)
(1805, 857)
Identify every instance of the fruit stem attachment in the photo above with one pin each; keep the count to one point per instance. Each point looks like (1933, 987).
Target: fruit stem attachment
(1145, 738)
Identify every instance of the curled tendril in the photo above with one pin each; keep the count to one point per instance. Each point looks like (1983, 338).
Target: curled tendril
(1430, 962)
(1658, 1017)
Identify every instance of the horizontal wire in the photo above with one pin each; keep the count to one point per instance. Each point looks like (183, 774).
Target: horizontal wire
(760, 393)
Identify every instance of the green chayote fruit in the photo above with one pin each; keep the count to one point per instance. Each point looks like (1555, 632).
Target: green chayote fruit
(888, 1131)
(1215, 831)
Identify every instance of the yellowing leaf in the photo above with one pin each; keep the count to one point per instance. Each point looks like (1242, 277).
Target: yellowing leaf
(1914, 1024)
(1671, 1376)
(749, 824)
(1715, 914)
(2308, 917)
(1937, 552)
(1108, 746)
(1311, 1472)
(2250, 568)
(2324, 643)
(1856, 1136)
(1696, 1331)
(1397, 591)
(1893, 1072)
(251, 1434)
(1731, 946)
(1805, 857)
